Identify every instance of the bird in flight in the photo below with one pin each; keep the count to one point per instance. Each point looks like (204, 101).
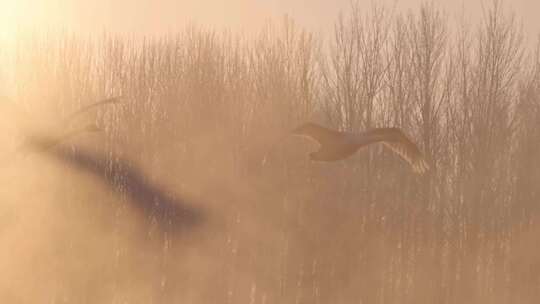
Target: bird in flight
(35, 137)
(44, 142)
(336, 145)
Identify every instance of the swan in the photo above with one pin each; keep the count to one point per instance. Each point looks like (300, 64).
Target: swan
(336, 145)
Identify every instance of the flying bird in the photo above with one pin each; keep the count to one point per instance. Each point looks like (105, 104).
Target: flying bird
(172, 212)
(44, 142)
(40, 138)
(336, 145)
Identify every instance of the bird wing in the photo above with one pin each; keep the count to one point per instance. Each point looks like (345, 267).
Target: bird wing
(86, 108)
(400, 144)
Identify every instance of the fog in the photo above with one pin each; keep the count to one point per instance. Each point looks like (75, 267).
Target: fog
(191, 189)
(148, 17)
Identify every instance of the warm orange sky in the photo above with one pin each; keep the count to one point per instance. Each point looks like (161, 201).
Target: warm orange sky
(158, 16)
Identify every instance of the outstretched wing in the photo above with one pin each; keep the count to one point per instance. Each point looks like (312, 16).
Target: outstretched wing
(398, 142)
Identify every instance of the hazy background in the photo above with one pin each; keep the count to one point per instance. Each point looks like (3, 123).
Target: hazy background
(194, 192)
(161, 16)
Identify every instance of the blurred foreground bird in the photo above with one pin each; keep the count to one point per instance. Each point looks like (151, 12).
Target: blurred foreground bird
(35, 142)
(171, 211)
(39, 138)
(336, 145)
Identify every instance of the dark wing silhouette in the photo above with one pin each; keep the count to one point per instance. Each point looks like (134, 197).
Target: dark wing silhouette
(399, 143)
(172, 213)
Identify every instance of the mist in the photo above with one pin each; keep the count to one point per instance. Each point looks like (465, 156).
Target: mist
(192, 189)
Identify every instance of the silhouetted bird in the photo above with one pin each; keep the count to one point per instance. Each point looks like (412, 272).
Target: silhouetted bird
(172, 212)
(336, 145)
(44, 142)
(40, 139)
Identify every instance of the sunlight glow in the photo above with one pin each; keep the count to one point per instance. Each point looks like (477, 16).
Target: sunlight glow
(17, 16)
(9, 10)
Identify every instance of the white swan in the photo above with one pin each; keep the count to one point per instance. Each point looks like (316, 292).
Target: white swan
(336, 145)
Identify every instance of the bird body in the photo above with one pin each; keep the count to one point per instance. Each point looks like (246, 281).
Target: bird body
(336, 145)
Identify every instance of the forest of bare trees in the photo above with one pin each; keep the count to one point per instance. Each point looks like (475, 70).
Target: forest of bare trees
(208, 113)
